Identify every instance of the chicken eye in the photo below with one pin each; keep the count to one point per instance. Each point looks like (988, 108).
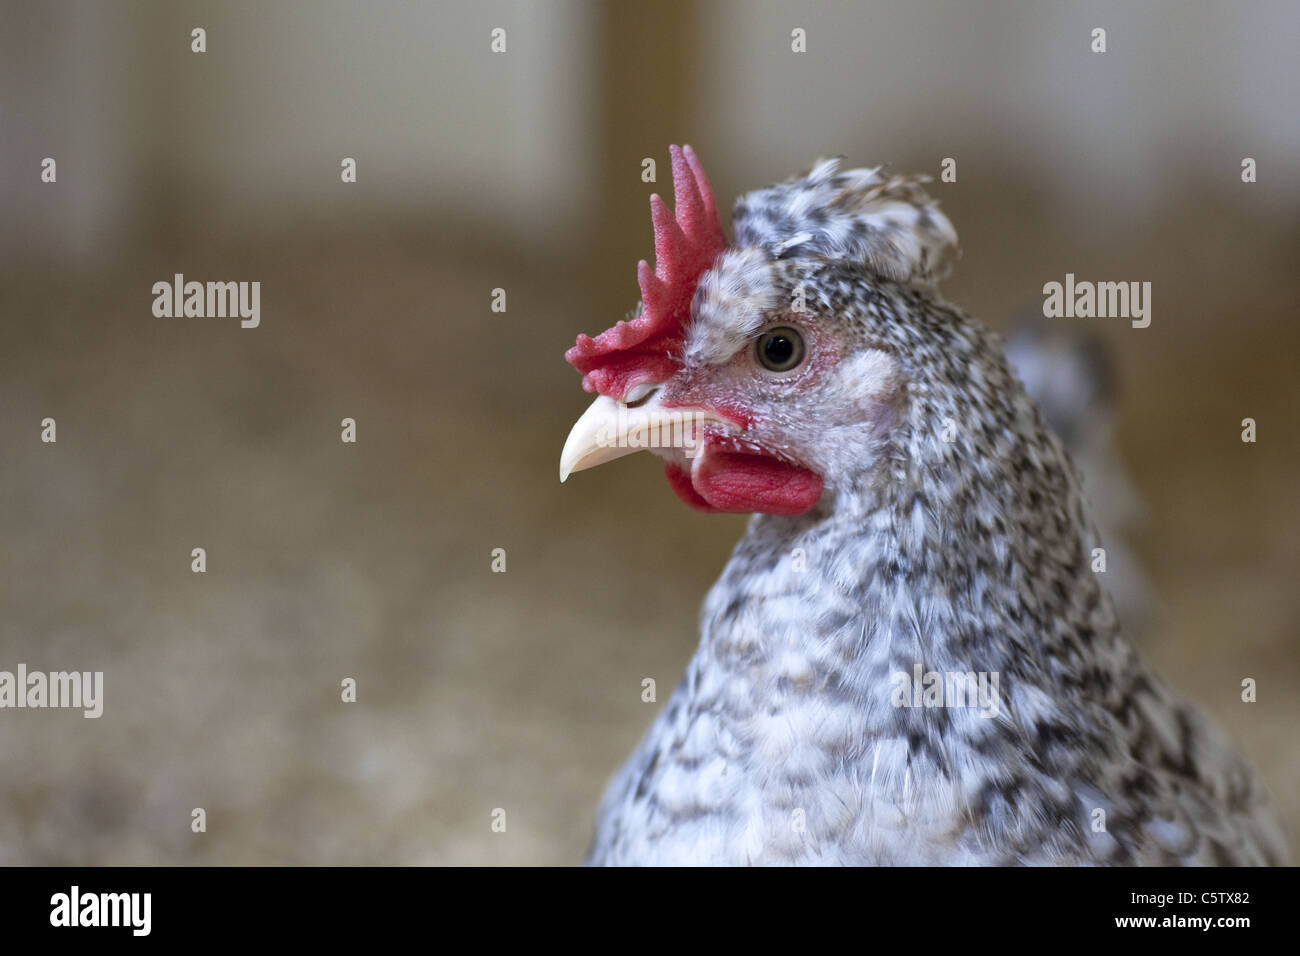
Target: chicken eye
(781, 349)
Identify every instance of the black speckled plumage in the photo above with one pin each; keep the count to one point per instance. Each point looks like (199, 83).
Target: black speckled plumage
(951, 538)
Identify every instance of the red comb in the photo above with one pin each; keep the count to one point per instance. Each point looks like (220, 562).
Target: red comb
(687, 242)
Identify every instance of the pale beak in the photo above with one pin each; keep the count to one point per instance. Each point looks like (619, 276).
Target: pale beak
(610, 429)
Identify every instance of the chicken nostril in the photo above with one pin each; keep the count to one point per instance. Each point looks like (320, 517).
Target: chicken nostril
(638, 396)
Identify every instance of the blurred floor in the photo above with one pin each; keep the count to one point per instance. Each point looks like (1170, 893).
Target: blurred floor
(477, 690)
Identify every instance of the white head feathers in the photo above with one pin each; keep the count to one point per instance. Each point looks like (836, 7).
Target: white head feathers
(886, 226)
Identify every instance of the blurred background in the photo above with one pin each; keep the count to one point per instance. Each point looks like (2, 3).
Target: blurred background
(522, 171)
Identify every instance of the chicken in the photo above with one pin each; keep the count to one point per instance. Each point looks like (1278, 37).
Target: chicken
(909, 658)
(1069, 374)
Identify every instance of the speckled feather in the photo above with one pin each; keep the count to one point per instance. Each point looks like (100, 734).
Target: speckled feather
(782, 744)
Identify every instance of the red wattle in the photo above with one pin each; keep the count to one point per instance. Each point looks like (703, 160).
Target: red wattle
(736, 482)
(745, 484)
(680, 481)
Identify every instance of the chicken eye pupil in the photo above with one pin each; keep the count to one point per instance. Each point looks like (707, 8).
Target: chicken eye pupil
(780, 349)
